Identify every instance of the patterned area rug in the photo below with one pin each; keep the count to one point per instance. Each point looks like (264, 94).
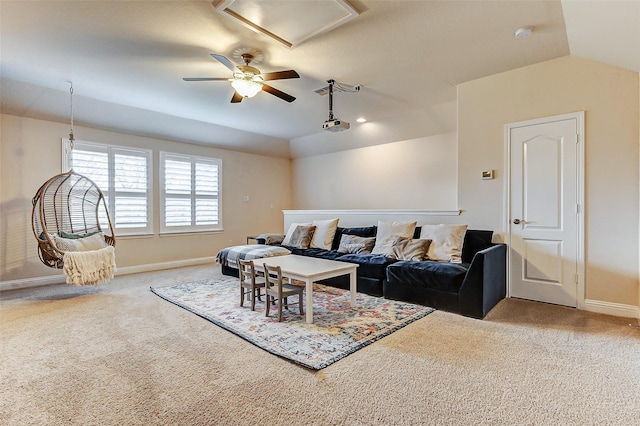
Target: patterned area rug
(338, 330)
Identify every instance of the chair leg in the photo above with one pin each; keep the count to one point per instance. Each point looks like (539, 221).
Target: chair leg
(253, 299)
(279, 310)
(241, 296)
(268, 306)
(300, 303)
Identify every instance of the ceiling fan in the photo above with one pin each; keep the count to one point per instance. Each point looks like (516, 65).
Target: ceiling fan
(247, 81)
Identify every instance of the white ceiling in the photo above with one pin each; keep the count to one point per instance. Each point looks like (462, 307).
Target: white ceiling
(127, 59)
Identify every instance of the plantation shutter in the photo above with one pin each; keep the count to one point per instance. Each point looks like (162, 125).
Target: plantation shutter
(123, 176)
(131, 185)
(191, 193)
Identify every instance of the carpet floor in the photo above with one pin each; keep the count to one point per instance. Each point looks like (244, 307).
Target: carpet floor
(337, 330)
(120, 355)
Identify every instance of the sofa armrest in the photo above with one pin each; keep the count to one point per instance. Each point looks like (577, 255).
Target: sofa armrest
(485, 283)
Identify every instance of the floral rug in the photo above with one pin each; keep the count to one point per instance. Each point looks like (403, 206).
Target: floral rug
(337, 331)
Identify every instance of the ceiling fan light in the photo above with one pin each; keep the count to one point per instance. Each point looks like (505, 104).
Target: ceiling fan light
(246, 88)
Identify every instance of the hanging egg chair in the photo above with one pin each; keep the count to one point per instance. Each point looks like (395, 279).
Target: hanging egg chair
(70, 206)
(68, 211)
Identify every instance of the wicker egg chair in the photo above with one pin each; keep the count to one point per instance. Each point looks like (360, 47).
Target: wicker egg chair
(68, 203)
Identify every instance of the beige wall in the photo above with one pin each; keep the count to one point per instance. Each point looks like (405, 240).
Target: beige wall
(30, 153)
(609, 97)
(411, 174)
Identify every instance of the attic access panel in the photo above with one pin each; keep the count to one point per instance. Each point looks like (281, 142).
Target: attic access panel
(290, 23)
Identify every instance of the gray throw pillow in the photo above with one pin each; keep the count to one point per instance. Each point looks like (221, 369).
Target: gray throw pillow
(300, 237)
(355, 244)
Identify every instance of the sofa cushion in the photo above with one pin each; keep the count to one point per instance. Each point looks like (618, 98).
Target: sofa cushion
(410, 249)
(443, 276)
(389, 233)
(292, 228)
(369, 265)
(324, 233)
(364, 231)
(355, 244)
(270, 239)
(446, 241)
(299, 236)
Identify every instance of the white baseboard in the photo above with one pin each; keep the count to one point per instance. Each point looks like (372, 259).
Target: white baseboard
(610, 308)
(127, 270)
(31, 282)
(166, 265)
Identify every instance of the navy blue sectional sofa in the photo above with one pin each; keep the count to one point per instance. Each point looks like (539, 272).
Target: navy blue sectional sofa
(471, 288)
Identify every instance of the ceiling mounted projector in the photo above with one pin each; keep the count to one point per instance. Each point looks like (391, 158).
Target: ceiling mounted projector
(333, 124)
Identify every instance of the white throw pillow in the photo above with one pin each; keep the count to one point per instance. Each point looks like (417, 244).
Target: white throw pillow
(389, 232)
(93, 242)
(446, 242)
(290, 231)
(325, 231)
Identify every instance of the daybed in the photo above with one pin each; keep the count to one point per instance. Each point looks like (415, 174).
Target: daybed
(471, 287)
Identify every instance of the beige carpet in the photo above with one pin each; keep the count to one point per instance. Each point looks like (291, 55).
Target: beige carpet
(120, 355)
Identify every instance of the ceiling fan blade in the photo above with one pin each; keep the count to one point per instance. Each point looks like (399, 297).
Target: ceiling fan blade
(278, 93)
(224, 61)
(205, 79)
(236, 98)
(279, 75)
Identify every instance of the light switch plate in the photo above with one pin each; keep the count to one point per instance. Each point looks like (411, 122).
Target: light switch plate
(487, 174)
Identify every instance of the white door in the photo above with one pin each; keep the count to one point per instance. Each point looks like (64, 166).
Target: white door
(545, 215)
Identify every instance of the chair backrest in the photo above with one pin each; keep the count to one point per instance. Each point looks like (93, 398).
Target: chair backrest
(273, 277)
(247, 271)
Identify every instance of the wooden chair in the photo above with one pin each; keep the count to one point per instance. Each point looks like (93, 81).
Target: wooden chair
(250, 282)
(276, 289)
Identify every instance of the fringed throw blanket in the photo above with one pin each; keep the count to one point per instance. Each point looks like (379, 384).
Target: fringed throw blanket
(90, 267)
(229, 256)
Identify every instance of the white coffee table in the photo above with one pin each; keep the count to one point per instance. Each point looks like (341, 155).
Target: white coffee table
(310, 270)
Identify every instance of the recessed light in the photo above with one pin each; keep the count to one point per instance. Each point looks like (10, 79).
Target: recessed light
(523, 32)
(361, 120)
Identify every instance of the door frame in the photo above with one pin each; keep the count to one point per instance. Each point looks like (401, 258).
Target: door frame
(580, 159)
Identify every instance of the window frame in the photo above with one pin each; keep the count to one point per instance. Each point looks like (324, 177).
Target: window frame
(110, 193)
(193, 228)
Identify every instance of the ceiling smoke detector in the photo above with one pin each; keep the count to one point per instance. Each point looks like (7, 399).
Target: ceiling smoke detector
(523, 32)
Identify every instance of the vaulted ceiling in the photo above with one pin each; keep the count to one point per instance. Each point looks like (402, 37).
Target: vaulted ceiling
(126, 60)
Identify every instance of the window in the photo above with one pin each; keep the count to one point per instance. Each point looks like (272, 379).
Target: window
(123, 175)
(190, 195)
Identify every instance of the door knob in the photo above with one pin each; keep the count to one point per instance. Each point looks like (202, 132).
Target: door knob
(516, 221)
